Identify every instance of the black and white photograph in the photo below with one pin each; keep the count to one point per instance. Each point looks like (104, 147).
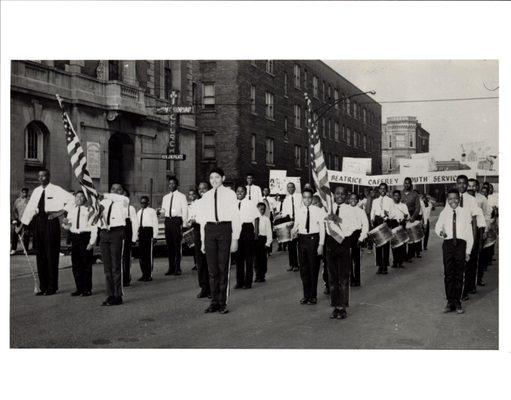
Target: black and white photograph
(331, 205)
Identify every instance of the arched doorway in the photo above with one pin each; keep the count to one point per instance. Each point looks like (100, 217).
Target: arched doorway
(35, 151)
(121, 160)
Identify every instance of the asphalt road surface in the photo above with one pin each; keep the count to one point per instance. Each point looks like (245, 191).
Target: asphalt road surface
(401, 310)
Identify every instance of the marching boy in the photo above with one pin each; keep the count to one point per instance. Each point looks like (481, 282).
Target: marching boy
(454, 225)
(263, 242)
(397, 216)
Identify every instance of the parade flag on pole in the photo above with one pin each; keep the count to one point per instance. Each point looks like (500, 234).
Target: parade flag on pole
(320, 176)
(79, 161)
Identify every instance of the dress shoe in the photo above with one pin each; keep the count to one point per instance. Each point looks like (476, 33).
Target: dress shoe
(473, 291)
(76, 293)
(289, 269)
(108, 301)
(116, 301)
(459, 309)
(409, 260)
(257, 280)
(178, 272)
(312, 301)
(379, 270)
(419, 256)
(86, 294)
(326, 291)
(238, 286)
(384, 271)
(448, 308)
(50, 292)
(304, 301)
(223, 310)
(142, 279)
(194, 268)
(169, 273)
(148, 279)
(212, 308)
(295, 269)
(342, 314)
(202, 294)
(481, 283)
(40, 293)
(13, 252)
(247, 287)
(465, 297)
(334, 313)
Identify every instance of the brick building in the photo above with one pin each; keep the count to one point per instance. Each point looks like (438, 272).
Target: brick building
(401, 137)
(112, 106)
(252, 118)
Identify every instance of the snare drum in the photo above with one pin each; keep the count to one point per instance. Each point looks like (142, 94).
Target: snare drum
(491, 238)
(399, 237)
(381, 235)
(283, 231)
(415, 232)
(188, 238)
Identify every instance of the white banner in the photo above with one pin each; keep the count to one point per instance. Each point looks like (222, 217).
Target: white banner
(278, 181)
(427, 178)
(360, 166)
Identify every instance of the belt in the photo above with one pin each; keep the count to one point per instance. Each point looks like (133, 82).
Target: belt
(112, 228)
(218, 223)
(175, 216)
(308, 235)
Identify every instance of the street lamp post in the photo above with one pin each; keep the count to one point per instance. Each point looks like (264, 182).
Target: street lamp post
(313, 124)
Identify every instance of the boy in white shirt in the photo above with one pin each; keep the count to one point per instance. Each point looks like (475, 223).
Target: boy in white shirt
(147, 232)
(398, 215)
(357, 237)
(263, 242)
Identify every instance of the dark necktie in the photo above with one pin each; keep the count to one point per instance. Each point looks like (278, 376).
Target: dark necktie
(454, 237)
(337, 211)
(281, 204)
(293, 205)
(239, 205)
(307, 221)
(78, 218)
(461, 201)
(41, 203)
(249, 192)
(109, 214)
(141, 217)
(171, 200)
(216, 208)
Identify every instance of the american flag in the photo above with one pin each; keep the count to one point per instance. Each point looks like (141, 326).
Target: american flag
(320, 175)
(79, 161)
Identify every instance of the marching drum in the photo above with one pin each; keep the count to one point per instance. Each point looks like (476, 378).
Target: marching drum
(491, 238)
(381, 235)
(283, 231)
(399, 237)
(415, 232)
(188, 238)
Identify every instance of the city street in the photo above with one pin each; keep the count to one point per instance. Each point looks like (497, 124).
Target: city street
(401, 310)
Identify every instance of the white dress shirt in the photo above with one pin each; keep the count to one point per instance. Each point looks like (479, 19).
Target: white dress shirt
(482, 203)
(55, 199)
(85, 223)
(271, 201)
(426, 211)
(463, 225)
(316, 222)
(254, 193)
(493, 199)
(294, 200)
(360, 221)
(247, 210)
(179, 205)
(227, 210)
(119, 212)
(380, 205)
(265, 229)
(398, 211)
(193, 210)
(148, 219)
(470, 203)
(134, 223)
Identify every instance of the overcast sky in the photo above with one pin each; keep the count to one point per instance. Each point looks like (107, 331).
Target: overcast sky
(449, 123)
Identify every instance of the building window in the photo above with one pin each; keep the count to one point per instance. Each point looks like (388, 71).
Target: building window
(390, 163)
(329, 92)
(329, 129)
(285, 128)
(270, 111)
(306, 117)
(285, 84)
(355, 144)
(336, 163)
(355, 110)
(253, 148)
(364, 116)
(167, 81)
(315, 86)
(323, 121)
(252, 99)
(208, 95)
(390, 141)
(297, 76)
(400, 141)
(323, 92)
(114, 70)
(269, 151)
(336, 98)
(306, 157)
(305, 79)
(348, 133)
(208, 146)
(315, 120)
(336, 131)
(298, 156)
(34, 139)
(269, 66)
(411, 140)
(364, 142)
(348, 107)
(343, 133)
(298, 116)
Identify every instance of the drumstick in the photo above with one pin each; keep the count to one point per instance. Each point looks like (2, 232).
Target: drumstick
(29, 263)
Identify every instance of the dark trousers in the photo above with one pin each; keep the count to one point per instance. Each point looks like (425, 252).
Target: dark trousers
(47, 246)
(81, 258)
(382, 252)
(414, 249)
(325, 266)
(355, 256)
(245, 256)
(14, 236)
(471, 268)
(145, 250)
(339, 269)
(174, 238)
(454, 268)
(426, 235)
(261, 258)
(217, 241)
(200, 259)
(126, 253)
(484, 257)
(399, 253)
(292, 248)
(111, 243)
(309, 264)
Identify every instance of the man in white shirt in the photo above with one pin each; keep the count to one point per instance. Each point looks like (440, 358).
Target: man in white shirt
(249, 215)
(175, 208)
(200, 257)
(130, 239)
(357, 237)
(454, 226)
(398, 215)
(147, 231)
(264, 238)
(83, 236)
(338, 254)
(111, 241)
(220, 232)
(380, 209)
(46, 204)
(310, 227)
(254, 193)
(290, 207)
